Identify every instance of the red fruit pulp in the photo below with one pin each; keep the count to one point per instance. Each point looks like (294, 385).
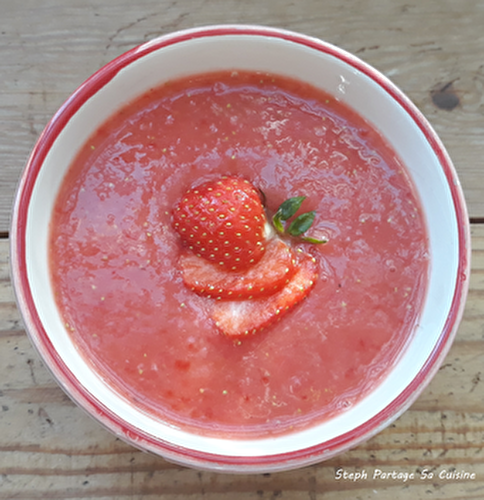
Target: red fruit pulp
(114, 254)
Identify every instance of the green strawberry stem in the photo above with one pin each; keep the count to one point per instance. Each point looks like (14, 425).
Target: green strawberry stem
(308, 239)
(276, 221)
(300, 224)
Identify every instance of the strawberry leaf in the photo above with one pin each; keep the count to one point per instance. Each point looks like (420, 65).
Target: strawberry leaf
(289, 207)
(301, 224)
(286, 211)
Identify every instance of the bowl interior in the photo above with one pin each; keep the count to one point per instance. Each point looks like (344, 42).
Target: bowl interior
(322, 65)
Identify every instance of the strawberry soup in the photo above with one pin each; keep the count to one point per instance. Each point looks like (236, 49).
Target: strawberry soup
(117, 261)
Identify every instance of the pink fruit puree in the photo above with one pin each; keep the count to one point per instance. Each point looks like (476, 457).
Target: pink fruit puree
(114, 254)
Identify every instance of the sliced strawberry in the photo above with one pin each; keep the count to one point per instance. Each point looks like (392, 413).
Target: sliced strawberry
(247, 317)
(267, 277)
(224, 222)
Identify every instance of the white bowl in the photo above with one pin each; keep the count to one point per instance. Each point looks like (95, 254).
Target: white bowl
(281, 52)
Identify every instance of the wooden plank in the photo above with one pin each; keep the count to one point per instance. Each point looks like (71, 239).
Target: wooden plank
(50, 449)
(432, 50)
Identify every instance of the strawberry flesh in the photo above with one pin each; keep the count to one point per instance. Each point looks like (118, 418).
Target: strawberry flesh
(237, 319)
(231, 257)
(268, 276)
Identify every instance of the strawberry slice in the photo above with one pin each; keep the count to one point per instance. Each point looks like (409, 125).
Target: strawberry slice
(241, 318)
(267, 277)
(224, 222)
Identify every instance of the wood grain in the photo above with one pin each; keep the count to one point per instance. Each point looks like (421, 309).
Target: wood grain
(432, 50)
(50, 449)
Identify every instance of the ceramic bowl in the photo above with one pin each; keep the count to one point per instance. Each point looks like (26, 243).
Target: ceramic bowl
(277, 51)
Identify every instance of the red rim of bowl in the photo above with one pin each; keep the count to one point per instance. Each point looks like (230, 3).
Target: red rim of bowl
(130, 433)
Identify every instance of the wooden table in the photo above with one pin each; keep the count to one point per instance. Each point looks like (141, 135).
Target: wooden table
(434, 50)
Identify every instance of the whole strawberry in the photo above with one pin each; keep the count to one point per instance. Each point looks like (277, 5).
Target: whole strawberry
(224, 222)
